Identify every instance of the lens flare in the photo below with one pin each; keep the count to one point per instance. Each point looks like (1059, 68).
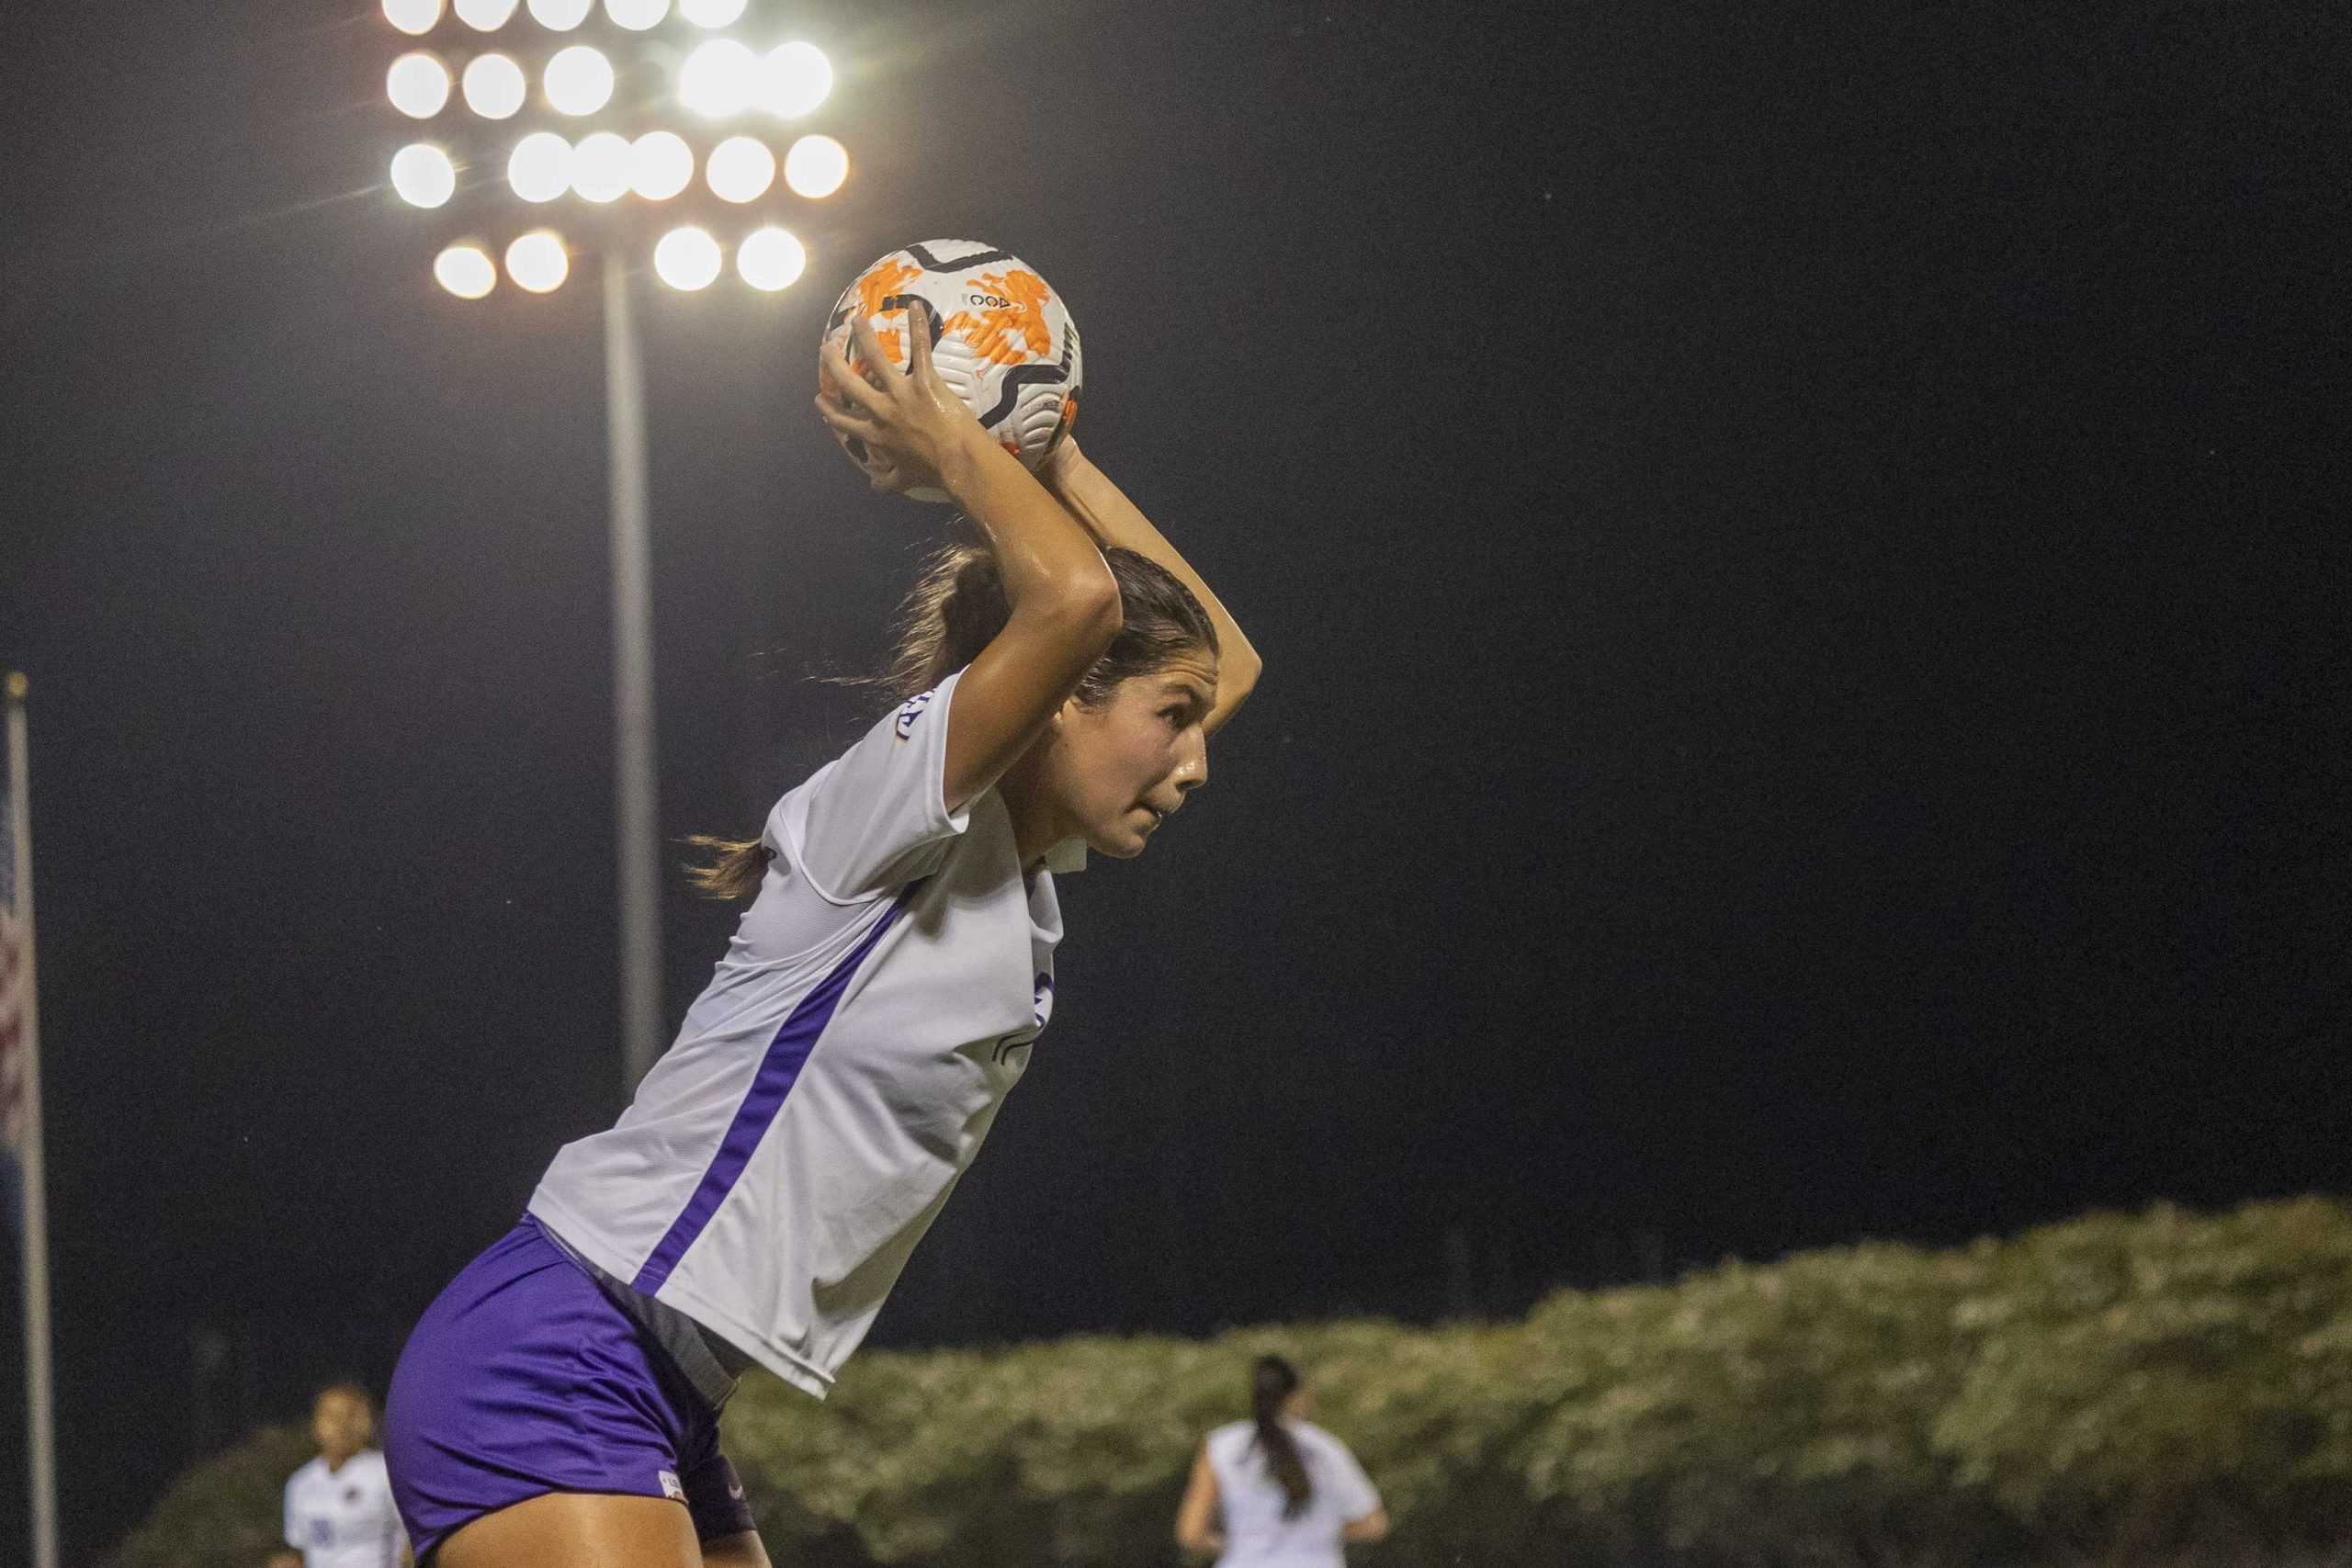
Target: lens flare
(465, 271)
(711, 13)
(494, 86)
(687, 259)
(579, 80)
(637, 14)
(816, 166)
(794, 79)
(770, 259)
(485, 16)
(661, 164)
(561, 15)
(719, 79)
(423, 174)
(540, 169)
(418, 85)
(412, 16)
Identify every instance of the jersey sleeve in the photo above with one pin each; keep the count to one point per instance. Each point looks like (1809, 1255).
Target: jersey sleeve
(1352, 1489)
(863, 823)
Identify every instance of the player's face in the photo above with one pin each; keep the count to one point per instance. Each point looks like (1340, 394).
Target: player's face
(340, 1425)
(1123, 769)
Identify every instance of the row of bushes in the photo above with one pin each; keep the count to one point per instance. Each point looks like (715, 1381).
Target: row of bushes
(2117, 1388)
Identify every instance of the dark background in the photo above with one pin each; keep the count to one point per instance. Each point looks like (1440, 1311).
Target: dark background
(1799, 554)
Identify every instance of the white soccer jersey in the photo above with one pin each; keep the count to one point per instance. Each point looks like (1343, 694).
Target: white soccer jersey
(840, 1071)
(342, 1518)
(1256, 1534)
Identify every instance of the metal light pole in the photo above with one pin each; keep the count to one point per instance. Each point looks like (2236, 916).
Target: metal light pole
(650, 83)
(641, 866)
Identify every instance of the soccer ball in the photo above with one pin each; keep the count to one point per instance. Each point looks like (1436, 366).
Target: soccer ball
(1001, 337)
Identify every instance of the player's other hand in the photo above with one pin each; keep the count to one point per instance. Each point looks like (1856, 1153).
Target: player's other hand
(914, 425)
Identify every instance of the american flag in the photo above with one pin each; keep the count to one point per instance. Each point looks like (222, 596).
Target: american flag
(12, 970)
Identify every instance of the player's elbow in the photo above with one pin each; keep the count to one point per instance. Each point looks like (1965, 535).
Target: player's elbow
(1372, 1527)
(1081, 607)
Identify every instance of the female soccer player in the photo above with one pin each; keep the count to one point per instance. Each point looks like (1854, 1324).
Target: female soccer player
(1290, 1494)
(338, 1508)
(755, 1203)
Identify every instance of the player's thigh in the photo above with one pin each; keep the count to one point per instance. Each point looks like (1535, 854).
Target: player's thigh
(743, 1551)
(576, 1530)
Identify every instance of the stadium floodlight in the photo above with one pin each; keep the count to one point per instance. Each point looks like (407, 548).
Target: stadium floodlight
(465, 271)
(415, 18)
(423, 174)
(770, 259)
(816, 166)
(418, 85)
(740, 169)
(600, 168)
(561, 15)
(637, 15)
(627, 107)
(540, 169)
(687, 259)
(485, 16)
(539, 262)
(794, 79)
(494, 86)
(720, 80)
(579, 80)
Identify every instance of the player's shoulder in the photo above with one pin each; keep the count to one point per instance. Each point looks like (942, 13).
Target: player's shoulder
(1314, 1437)
(309, 1473)
(1231, 1437)
(369, 1463)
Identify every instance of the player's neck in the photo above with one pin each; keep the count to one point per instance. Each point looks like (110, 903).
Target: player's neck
(1036, 826)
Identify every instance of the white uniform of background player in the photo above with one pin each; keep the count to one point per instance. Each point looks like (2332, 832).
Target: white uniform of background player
(343, 1517)
(1257, 1532)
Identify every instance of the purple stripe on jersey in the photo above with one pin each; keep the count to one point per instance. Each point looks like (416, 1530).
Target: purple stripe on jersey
(779, 1070)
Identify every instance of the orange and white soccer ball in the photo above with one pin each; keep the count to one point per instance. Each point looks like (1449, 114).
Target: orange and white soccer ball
(1001, 338)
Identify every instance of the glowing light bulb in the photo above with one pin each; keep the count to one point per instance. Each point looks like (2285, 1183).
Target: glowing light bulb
(661, 164)
(485, 16)
(794, 79)
(412, 16)
(579, 80)
(816, 166)
(465, 271)
(494, 86)
(540, 169)
(418, 85)
(719, 79)
(537, 262)
(561, 15)
(711, 13)
(740, 169)
(637, 14)
(687, 259)
(770, 259)
(423, 174)
(600, 168)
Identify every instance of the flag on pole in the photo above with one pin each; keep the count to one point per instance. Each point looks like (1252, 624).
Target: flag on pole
(20, 1124)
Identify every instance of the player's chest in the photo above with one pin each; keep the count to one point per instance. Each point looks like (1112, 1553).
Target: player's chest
(341, 1513)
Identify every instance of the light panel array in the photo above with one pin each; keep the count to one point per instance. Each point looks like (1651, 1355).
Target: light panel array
(716, 80)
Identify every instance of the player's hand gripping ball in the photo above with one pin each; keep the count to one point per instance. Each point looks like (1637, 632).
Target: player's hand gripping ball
(1000, 339)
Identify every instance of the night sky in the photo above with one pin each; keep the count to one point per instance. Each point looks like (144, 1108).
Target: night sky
(1799, 555)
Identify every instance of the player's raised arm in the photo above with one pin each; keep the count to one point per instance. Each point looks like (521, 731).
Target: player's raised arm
(1113, 519)
(1063, 602)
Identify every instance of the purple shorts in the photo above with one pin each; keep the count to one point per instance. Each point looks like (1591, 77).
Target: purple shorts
(523, 1378)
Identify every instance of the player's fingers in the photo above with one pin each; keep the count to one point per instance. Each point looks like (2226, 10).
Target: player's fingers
(869, 345)
(844, 421)
(852, 387)
(919, 339)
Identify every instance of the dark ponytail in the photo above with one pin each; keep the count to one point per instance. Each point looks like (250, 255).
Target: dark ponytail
(957, 608)
(1271, 1381)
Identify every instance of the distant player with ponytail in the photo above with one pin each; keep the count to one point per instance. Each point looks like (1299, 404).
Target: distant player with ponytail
(1276, 1490)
